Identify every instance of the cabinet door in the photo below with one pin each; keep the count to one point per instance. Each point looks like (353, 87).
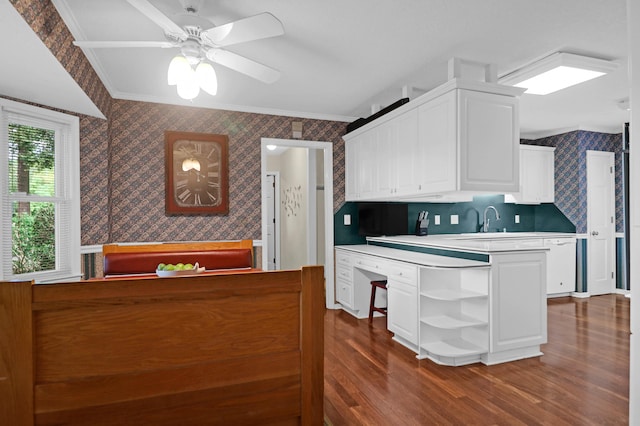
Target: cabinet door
(436, 155)
(344, 293)
(536, 176)
(406, 146)
(544, 164)
(366, 165)
(385, 167)
(489, 142)
(518, 301)
(529, 176)
(350, 170)
(402, 310)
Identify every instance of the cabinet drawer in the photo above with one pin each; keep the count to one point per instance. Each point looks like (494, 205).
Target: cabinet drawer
(343, 258)
(401, 272)
(370, 263)
(548, 242)
(344, 273)
(344, 293)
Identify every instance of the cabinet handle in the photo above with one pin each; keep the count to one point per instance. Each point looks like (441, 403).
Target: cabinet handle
(594, 233)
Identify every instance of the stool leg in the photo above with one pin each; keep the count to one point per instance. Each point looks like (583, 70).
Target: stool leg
(372, 303)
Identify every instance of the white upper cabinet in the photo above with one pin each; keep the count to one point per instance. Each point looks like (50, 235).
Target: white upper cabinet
(461, 138)
(437, 152)
(488, 142)
(536, 176)
(360, 155)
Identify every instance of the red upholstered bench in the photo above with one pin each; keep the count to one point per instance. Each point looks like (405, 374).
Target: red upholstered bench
(144, 258)
(143, 263)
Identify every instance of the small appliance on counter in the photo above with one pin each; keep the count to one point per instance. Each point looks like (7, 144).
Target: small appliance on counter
(422, 224)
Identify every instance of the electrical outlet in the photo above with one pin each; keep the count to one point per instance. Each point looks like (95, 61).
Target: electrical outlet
(454, 219)
(517, 218)
(436, 219)
(347, 219)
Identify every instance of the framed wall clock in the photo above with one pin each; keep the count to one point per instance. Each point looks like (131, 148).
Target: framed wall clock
(197, 173)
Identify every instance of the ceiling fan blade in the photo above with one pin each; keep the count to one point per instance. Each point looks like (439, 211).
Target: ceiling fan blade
(114, 44)
(243, 65)
(160, 19)
(255, 27)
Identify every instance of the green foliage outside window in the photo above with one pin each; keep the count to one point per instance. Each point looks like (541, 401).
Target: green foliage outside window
(33, 237)
(31, 171)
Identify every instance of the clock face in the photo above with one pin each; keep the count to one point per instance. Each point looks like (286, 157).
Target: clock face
(197, 173)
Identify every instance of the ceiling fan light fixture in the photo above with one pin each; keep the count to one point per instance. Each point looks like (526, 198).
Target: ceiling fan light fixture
(557, 71)
(188, 88)
(207, 79)
(179, 70)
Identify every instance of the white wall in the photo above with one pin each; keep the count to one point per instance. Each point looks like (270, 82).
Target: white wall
(320, 207)
(633, 24)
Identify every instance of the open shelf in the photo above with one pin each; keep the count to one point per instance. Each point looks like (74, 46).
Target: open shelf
(451, 294)
(453, 348)
(451, 322)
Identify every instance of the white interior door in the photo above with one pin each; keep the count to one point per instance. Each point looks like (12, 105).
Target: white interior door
(600, 222)
(273, 219)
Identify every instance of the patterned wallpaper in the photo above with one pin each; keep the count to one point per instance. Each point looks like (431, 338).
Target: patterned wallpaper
(122, 158)
(571, 172)
(94, 182)
(136, 160)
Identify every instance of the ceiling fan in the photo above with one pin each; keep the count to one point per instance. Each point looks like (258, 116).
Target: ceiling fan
(199, 40)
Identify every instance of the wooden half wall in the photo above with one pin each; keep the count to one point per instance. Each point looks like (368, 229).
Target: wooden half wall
(216, 349)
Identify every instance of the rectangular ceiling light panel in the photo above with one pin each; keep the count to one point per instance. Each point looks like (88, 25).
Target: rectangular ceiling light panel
(556, 72)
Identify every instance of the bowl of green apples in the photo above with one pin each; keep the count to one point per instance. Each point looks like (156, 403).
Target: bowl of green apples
(178, 269)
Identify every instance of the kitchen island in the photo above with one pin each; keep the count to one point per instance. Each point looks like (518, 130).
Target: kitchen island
(452, 299)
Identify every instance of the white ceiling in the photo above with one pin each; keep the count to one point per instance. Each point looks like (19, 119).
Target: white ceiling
(338, 58)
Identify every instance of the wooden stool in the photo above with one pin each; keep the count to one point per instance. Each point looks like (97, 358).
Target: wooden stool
(372, 305)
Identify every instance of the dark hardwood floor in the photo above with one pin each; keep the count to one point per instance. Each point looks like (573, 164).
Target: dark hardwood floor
(582, 378)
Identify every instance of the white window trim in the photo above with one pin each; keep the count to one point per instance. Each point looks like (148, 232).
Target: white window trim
(70, 150)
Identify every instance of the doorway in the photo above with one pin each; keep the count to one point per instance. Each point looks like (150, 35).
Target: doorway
(600, 223)
(326, 258)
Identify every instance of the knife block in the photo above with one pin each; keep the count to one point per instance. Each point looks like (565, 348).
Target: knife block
(421, 230)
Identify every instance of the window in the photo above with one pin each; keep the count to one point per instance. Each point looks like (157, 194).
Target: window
(40, 194)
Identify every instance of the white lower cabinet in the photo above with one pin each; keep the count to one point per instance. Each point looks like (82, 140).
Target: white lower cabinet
(344, 279)
(402, 297)
(454, 315)
(519, 306)
(402, 312)
(452, 311)
(344, 287)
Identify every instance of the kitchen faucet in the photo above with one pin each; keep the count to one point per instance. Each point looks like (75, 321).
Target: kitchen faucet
(485, 225)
